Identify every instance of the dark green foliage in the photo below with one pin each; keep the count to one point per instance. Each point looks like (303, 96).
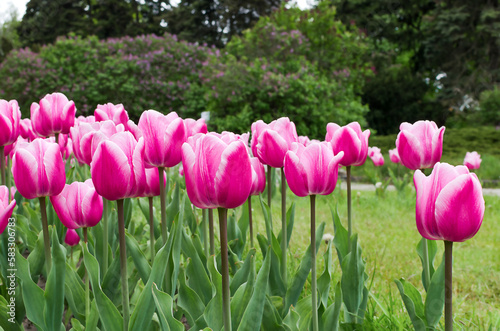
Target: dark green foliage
(489, 107)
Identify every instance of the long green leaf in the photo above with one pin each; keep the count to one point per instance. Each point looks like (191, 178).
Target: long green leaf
(352, 281)
(213, 311)
(434, 302)
(164, 305)
(341, 238)
(110, 316)
(75, 293)
(140, 260)
(252, 317)
(243, 294)
(324, 280)
(413, 303)
(331, 315)
(242, 274)
(432, 251)
(189, 301)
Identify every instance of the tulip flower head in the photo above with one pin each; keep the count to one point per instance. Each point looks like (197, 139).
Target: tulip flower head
(217, 174)
(152, 187)
(472, 160)
(450, 204)
(6, 207)
(394, 156)
(163, 138)
(26, 130)
(38, 169)
(193, 127)
(258, 177)
(313, 169)
(87, 136)
(10, 119)
(78, 205)
(117, 167)
(420, 145)
(375, 154)
(270, 142)
(109, 111)
(72, 238)
(54, 114)
(349, 139)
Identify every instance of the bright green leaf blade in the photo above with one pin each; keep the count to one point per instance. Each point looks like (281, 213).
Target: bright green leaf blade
(164, 304)
(140, 260)
(331, 315)
(434, 302)
(413, 303)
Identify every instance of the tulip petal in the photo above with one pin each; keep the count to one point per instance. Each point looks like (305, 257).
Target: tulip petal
(437, 146)
(296, 175)
(460, 209)
(233, 179)
(54, 172)
(345, 139)
(409, 150)
(25, 173)
(192, 186)
(61, 208)
(5, 214)
(271, 148)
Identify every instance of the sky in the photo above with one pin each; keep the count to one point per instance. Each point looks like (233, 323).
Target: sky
(6, 7)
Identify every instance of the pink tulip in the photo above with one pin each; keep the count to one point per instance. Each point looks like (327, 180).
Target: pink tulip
(38, 169)
(78, 205)
(271, 142)
(394, 155)
(375, 154)
(450, 204)
(54, 114)
(117, 167)
(72, 238)
(10, 118)
(115, 113)
(420, 145)
(258, 177)
(87, 119)
(152, 187)
(26, 130)
(472, 160)
(6, 207)
(193, 127)
(217, 174)
(304, 140)
(83, 134)
(349, 139)
(313, 169)
(163, 138)
(134, 129)
(65, 145)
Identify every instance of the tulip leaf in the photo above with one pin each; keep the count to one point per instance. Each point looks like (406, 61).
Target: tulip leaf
(112, 277)
(434, 302)
(268, 219)
(304, 309)
(74, 293)
(93, 319)
(4, 316)
(196, 271)
(36, 258)
(173, 207)
(271, 319)
(145, 306)
(352, 281)
(140, 260)
(290, 219)
(189, 218)
(300, 277)
(54, 288)
(144, 206)
(164, 304)
(413, 304)
(341, 238)
(243, 294)
(189, 301)
(213, 311)
(110, 316)
(236, 239)
(292, 320)
(242, 274)
(331, 315)
(175, 253)
(128, 205)
(244, 221)
(276, 284)
(324, 280)
(432, 250)
(252, 316)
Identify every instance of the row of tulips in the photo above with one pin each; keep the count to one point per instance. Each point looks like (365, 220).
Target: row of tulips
(222, 172)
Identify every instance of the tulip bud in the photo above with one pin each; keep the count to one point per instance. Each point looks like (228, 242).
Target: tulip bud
(450, 204)
(163, 138)
(111, 112)
(376, 156)
(54, 114)
(258, 177)
(349, 139)
(193, 127)
(6, 207)
(217, 174)
(472, 160)
(72, 238)
(420, 145)
(394, 155)
(78, 205)
(38, 169)
(10, 118)
(117, 167)
(313, 169)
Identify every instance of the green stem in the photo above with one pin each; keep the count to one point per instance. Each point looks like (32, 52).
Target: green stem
(123, 264)
(7, 181)
(45, 229)
(448, 286)
(284, 233)
(250, 222)
(313, 265)
(225, 269)
(211, 230)
(427, 273)
(87, 285)
(205, 231)
(269, 185)
(151, 229)
(105, 236)
(2, 165)
(349, 208)
(163, 205)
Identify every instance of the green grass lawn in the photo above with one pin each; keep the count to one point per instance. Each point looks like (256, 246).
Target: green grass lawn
(388, 236)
